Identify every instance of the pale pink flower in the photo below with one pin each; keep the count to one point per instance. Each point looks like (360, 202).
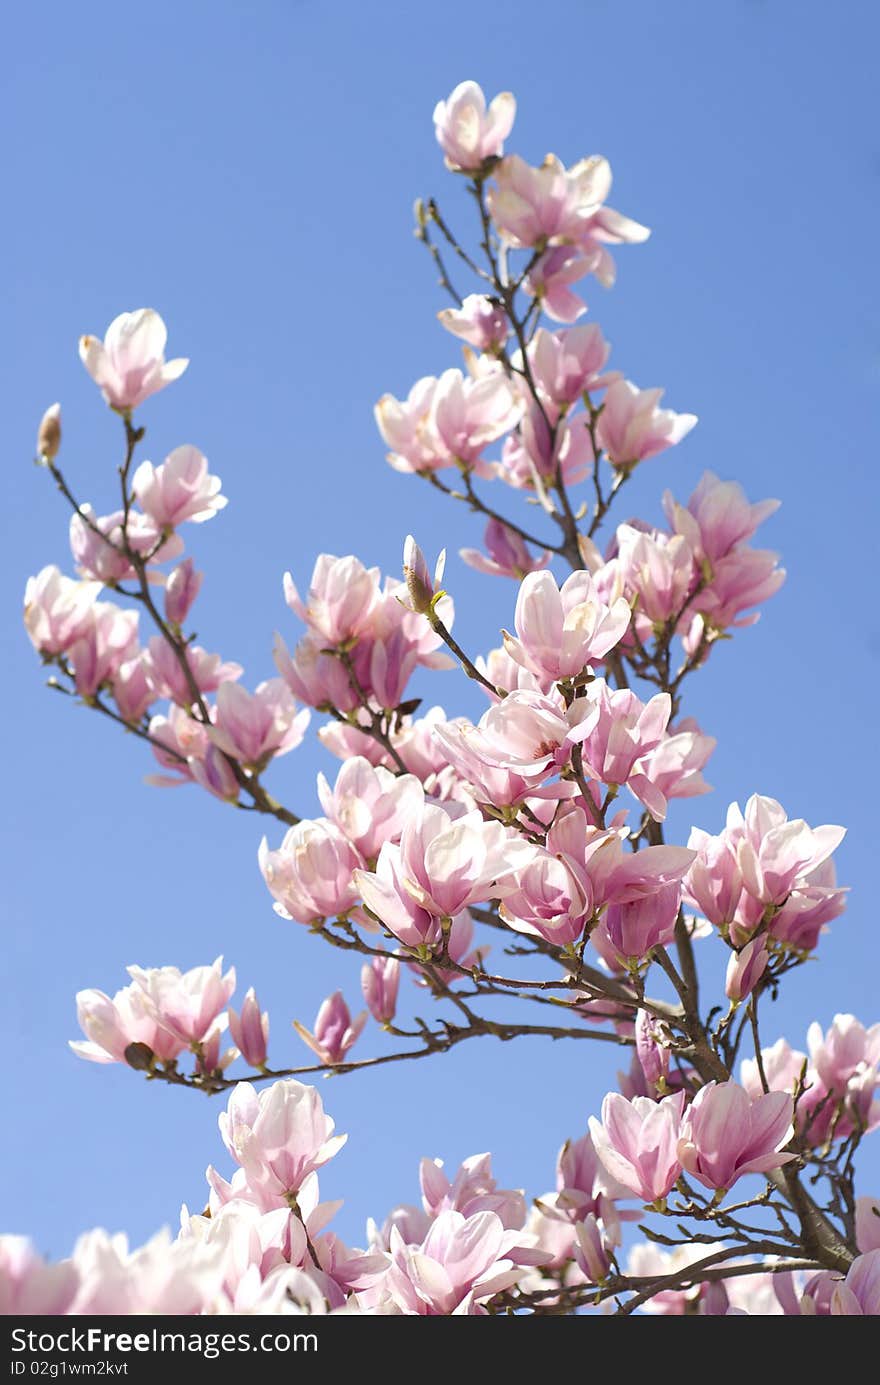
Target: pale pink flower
(563, 629)
(250, 1030)
(743, 578)
(468, 131)
(278, 1136)
(813, 903)
(57, 610)
(180, 489)
(335, 1030)
(637, 1142)
(341, 600)
(536, 453)
(133, 689)
(103, 560)
(254, 727)
(859, 1294)
(568, 364)
(185, 739)
(208, 670)
(181, 590)
(311, 874)
(29, 1287)
(380, 981)
(616, 876)
(549, 205)
(185, 1003)
(632, 426)
(507, 554)
(129, 365)
(745, 969)
(180, 1277)
(532, 734)
(461, 1262)
(108, 641)
(549, 900)
(621, 731)
(773, 853)
(480, 321)
(659, 573)
(370, 805)
(725, 1134)
(652, 1048)
(675, 765)
(639, 925)
(649, 1261)
(608, 227)
(718, 517)
(405, 428)
(313, 676)
(112, 1025)
(472, 1189)
(846, 1052)
(467, 414)
(551, 278)
(213, 771)
(714, 882)
(591, 1249)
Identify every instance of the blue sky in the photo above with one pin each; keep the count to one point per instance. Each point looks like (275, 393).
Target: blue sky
(250, 172)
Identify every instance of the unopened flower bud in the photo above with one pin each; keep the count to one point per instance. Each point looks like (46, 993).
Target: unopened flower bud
(422, 591)
(49, 434)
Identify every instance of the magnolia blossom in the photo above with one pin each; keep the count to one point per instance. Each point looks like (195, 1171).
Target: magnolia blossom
(108, 641)
(342, 597)
(480, 321)
(253, 727)
(335, 1031)
(632, 426)
(675, 765)
(57, 610)
(129, 365)
(278, 1136)
(845, 1054)
(659, 574)
(507, 554)
(371, 805)
(311, 873)
(549, 205)
(380, 981)
(467, 131)
(468, 414)
(563, 629)
(725, 1134)
(28, 1286)
(538, 452)
(180, 489)
(549, 899)
(550, 280)
(622, 731)
(637, 1141)
(181, 590)
(745, 969)
(859, 1294)
(112, 1025)
(249, 1029)
(186, 1003)
(569, 364)
(96, 542)
(772, 853)
(461, 1262)
(637, 926)
(718, 518)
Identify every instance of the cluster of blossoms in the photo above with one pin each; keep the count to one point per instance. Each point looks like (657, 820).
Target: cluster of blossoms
(439, 832)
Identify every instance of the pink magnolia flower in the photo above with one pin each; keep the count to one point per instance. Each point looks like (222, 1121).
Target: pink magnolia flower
(584, 1187)
(813, 903)
(181, 590)
(637, 1141)
(214, 773)
(163, 1276)
(652, 1048)
(868, 1223)
(313, 676)
(185, 1003)
(112, 1025)
(311, 873)
(535, 453)
(568, 364)
(563, 629)
(250, 1030)
(859, 1294)
(459, 946)
(405, 428)
(129, 365)
(744, 578)
(370, 805)
(57, 610)
(254, 727)
(846, 1052)
(461, 1262)
(186, 740)
(49, 433)
(467, 414)
(714, 882)
(508, 553)
(335, 1030)
(341, 600)
(133, 689)
(647, 1260)
(472, 1189)
(29, 1287)
(675, 765)
(591, 1250)
(616, 876)
(622, 731)
(549, 205)
(551, 278)
(745, 969)
(102, 559)
(181, 488)
(440, 866)
(773, 853)
(422, 587)
(278, 1136)
(480, 321)
(608, 227)
(659, 574)
(633, 427)
(208, 670)
(725, 1134)
(468, 131)
(718, 517)
(548, 899)
(108, 641)
(380, 981)
(532, 734)
(639, 925)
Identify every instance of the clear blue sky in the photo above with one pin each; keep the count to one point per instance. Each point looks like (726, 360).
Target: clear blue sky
(250, 172)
